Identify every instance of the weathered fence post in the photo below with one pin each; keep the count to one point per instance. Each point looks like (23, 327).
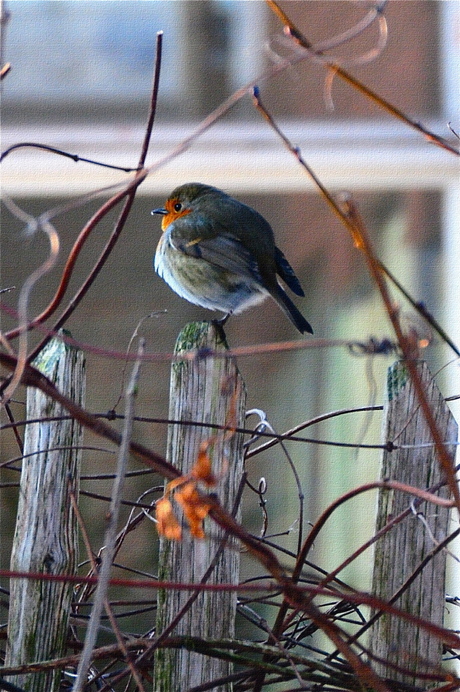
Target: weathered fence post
(45, 540)
(210, 390)
(403, 548)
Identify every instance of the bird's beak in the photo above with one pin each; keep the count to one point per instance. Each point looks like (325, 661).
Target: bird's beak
(162, 211)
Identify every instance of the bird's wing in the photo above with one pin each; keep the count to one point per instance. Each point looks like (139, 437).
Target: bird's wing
(224, 250)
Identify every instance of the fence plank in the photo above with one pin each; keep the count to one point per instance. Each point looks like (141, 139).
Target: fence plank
(401, 551)
(45, 539)
(209, 390)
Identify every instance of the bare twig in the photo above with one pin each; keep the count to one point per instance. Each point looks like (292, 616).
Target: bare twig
(346, 219)
(291, 30)
(110, 535)
(350, 216)
(128, 192)
(30, 282)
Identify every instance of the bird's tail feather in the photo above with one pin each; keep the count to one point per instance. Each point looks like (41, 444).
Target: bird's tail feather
(290, 310)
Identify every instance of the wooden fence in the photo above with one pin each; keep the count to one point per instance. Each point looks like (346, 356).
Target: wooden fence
(207, 389)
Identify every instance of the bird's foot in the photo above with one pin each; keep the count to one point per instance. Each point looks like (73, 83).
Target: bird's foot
(222, 321)
(219, 325)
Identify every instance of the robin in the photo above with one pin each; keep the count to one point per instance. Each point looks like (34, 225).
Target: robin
(220, 254)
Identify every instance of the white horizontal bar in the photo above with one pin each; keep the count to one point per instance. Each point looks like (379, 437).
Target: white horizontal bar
(239, 157)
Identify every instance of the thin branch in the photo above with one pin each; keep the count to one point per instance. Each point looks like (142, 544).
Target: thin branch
(291, 30)
(69, 266)
(111, 533)
(130, 192)
(345, 218)
(61, 152)
(36, 275)
(350, 216)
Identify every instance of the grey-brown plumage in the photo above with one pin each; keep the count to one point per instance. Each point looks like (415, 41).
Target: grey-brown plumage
(220, 254)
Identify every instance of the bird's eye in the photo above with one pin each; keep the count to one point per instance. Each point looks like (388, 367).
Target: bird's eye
(177, 206)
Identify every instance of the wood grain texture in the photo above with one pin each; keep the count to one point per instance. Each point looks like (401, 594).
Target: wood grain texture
(46, 533)
(209, 390)
(401, 551)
